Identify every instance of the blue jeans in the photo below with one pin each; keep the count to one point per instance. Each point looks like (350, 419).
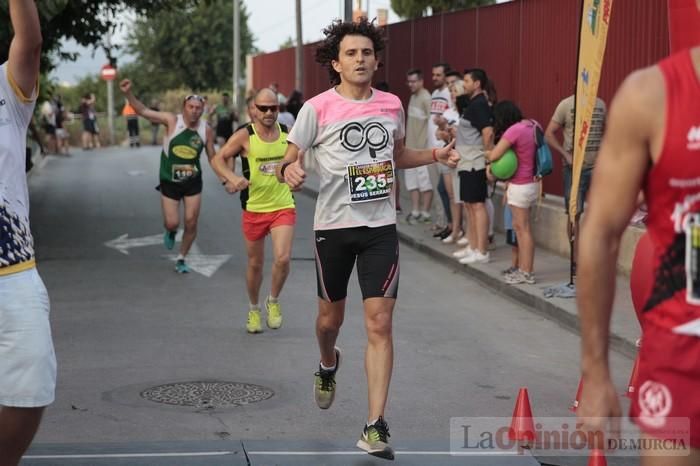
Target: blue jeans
(583, 186)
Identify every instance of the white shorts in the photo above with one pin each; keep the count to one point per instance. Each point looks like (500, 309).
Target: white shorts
(27, 359)
(523, 195)
(417, 178)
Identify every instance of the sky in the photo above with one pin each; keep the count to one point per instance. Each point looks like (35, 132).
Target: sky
(270, 31)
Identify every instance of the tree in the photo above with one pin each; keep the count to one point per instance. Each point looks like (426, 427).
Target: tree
(288, 43)
(418, 8)
(87, 22)
(190, 48)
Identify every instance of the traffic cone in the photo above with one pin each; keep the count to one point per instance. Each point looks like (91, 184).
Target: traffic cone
(577, 400)
(633, 379)
(522, 428)
(597, 458)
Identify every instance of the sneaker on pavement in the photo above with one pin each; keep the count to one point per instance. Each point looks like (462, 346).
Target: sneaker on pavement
(274, 314)
(445, 233)
(509, 270)
(452, 238)
(463, 241)
(254, 324)
(476, 258)
(442, 233)
(324, 383)
(411, 219)
(464, 252)
(181, 266)
(375, 440)
(518, 277)
(424, 218)
(169, 239)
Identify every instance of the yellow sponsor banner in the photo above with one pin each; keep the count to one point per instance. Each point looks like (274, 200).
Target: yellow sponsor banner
(595, 20)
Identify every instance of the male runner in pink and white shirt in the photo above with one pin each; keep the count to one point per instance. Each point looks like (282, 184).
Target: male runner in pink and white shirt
(355, 134)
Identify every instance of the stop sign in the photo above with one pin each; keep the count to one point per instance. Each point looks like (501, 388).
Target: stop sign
(108, 73)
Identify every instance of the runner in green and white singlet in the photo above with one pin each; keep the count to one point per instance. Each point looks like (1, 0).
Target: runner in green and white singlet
(187, 135)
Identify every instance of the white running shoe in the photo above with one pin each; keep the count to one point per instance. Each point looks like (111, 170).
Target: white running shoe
(451, 238)
(476, 258)
(464, 252)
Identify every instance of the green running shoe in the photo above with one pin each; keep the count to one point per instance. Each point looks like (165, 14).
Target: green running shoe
(324, 384)
(274, 314)
(254, 324)
(375, 440)
(181, 266)
(169, 239)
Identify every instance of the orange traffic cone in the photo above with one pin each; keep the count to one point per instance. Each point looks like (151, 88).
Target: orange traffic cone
(633, 379)
(577, 400)
(597, 458)
(522, 428)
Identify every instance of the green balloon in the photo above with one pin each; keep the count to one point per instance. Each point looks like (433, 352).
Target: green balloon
(505, 167)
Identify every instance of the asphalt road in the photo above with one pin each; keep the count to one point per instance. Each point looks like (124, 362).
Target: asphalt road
(125, 324)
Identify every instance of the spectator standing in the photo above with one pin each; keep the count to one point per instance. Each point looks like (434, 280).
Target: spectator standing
(417, 179)
(515, 132)
(132, 124)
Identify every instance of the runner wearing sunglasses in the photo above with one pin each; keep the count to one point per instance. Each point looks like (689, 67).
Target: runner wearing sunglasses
(268, 206)
(187, 134)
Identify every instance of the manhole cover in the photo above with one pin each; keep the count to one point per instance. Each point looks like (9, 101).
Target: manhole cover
(207, 394)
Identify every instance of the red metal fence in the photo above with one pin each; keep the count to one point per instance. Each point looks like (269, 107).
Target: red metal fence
(528, 48)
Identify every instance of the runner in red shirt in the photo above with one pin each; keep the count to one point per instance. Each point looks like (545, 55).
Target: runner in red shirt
(652, 144)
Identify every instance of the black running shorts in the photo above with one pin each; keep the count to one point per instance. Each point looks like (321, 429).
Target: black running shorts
(377, 254)
(472, 186)
(177, 191)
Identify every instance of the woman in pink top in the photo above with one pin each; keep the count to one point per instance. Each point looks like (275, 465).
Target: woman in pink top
(514, 132)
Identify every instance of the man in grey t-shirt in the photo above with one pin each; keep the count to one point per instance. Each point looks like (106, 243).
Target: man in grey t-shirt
(417, 179)
(355, 133)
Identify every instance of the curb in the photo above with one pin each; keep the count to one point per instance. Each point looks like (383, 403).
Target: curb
(530, 302)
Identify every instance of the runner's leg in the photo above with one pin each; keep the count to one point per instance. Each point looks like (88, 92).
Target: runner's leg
(282, 238)
(192, 206)
(254, 270)
(17, 429)
(379, 357)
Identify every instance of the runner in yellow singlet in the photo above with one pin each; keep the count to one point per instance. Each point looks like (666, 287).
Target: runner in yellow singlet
(268, 206)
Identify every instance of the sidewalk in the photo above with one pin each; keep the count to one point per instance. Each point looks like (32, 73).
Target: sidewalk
(550, 270)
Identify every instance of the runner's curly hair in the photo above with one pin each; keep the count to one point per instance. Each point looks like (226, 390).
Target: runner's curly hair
(329, 49)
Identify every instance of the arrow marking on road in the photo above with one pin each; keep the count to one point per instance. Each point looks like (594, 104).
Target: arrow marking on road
(123, 243)
(204, 264)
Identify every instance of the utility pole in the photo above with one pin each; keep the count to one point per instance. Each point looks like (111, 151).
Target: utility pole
(299, 53)
(236, 53)
(348, 11)
(110, 95)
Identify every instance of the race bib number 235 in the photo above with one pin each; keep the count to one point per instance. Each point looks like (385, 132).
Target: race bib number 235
(370, 181)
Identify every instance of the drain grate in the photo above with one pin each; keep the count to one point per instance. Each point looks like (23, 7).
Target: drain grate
(207, 394)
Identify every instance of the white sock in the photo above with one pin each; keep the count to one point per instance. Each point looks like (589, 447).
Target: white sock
(372, 422)
(272, 300)
(331, 368)
(415, 213)
(425, 214)
(254, 307)
(180, 257)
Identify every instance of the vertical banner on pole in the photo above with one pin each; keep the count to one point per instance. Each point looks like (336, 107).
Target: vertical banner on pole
(595, 20)
(683, 24)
